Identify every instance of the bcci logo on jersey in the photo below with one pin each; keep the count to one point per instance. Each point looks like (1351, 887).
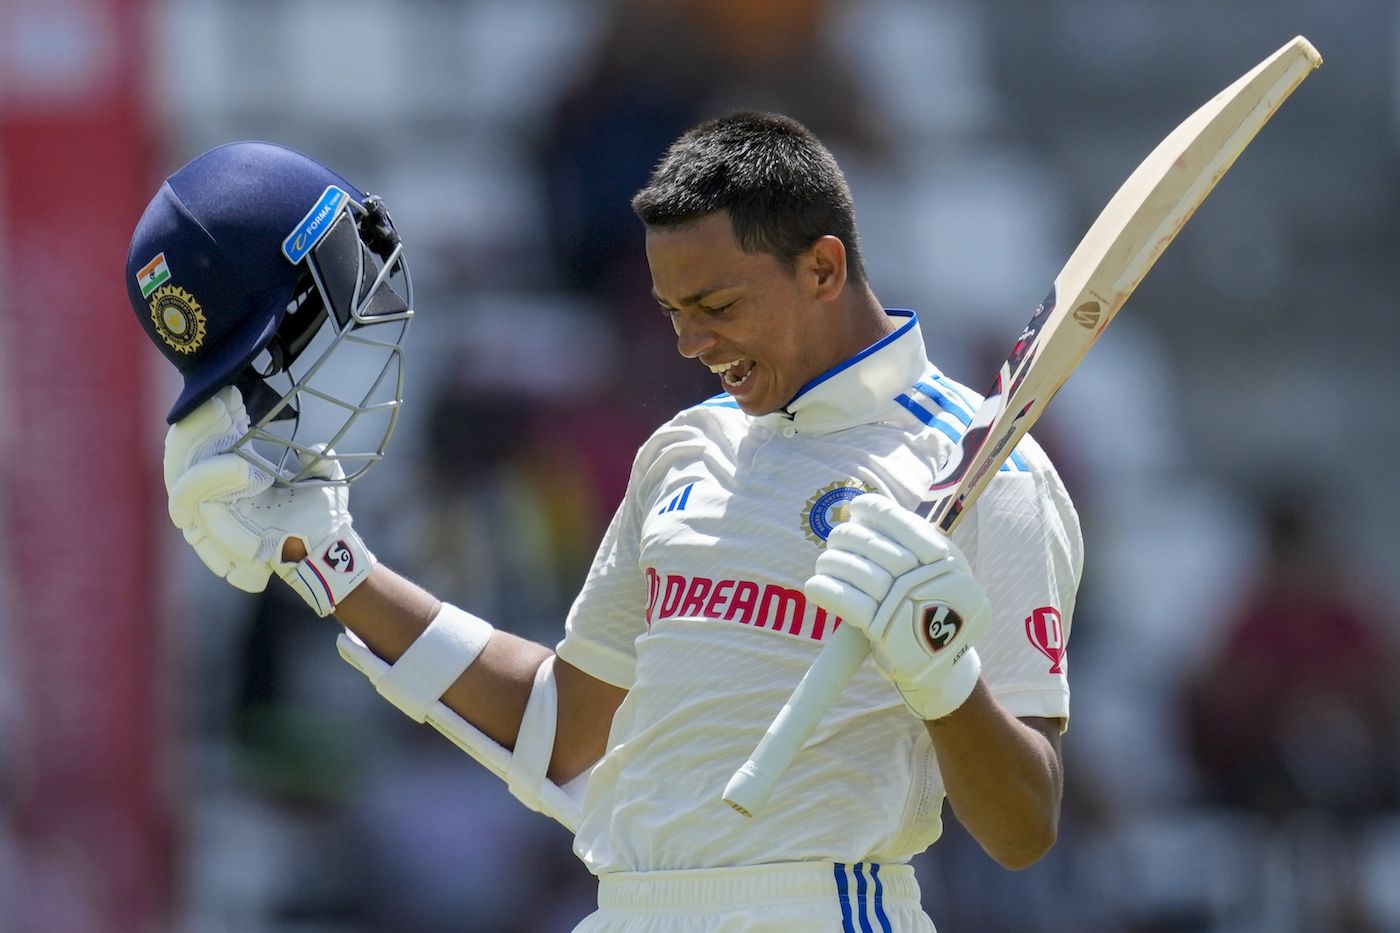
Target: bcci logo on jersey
(829, 507)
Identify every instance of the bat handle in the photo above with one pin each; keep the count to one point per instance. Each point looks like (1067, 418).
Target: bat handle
(750, 787)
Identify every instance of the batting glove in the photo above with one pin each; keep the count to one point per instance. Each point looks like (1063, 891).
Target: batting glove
(238, 521)
(909, 588)
(209, 431)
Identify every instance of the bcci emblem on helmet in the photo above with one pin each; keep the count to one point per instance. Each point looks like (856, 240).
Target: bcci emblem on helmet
(939, 627)
(178, 319)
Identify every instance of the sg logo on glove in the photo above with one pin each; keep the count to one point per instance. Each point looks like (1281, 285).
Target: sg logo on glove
(940, 626)
(339, 558)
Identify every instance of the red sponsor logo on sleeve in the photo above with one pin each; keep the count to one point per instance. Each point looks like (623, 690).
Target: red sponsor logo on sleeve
(1046, 631)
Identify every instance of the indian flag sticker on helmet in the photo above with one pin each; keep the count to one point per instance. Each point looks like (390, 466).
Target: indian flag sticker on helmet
(178, 319)
(153, 275)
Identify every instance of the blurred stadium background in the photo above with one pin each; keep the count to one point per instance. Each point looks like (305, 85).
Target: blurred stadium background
(175, 755)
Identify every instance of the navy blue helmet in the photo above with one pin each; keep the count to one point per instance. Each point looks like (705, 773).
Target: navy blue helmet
(255, 266)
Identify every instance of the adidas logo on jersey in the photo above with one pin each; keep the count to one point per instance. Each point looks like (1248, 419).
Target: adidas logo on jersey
(678, 501)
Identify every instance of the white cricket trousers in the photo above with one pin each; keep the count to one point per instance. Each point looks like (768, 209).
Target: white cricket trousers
(791, 897)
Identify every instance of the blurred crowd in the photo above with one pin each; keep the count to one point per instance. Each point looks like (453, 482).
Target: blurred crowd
(1233, 762)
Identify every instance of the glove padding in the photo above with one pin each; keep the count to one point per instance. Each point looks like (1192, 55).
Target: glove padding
(237, 520)
(211, 430)
(909, 588)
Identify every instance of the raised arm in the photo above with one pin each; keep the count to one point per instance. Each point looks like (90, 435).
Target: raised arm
(537, 722)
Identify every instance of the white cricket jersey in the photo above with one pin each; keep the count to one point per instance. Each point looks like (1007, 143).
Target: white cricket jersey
(694, 604)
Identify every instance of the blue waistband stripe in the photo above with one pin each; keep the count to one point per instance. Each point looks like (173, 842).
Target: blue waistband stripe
(867, 907)
(880, 914)
(844, 897)
(861, 899)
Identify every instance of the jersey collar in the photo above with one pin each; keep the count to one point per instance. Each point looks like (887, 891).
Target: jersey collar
(862, 388)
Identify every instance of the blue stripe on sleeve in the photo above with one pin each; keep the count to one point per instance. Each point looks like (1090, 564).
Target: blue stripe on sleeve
(1017, 460)
(957, 410)
(930, 419)
(843, 895)
(927, 417)
(955, 389)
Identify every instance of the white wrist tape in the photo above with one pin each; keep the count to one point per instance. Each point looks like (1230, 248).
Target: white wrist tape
(330, 570)
(422, 674)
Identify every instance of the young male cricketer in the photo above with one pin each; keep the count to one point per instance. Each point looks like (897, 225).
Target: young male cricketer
(702, 609)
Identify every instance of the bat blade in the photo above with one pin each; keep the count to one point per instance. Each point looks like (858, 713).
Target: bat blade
(1129, 235)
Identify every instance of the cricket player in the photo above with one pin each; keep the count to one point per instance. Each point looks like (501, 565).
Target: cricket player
(754, 525)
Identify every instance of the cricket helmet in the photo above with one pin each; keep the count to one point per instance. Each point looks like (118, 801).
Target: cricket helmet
(256, 266)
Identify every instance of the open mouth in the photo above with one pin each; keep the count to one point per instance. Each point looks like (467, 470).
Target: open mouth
(734, 373)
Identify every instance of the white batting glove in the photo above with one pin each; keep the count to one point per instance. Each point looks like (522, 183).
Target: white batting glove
(909, 588)
(209, 431)
(238, 521)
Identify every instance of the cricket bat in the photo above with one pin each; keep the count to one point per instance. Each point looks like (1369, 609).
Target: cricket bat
(1129, 235)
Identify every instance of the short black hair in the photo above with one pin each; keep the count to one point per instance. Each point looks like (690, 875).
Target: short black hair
(782, 188)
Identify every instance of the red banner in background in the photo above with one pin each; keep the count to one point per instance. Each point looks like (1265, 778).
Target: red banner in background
(85, 794)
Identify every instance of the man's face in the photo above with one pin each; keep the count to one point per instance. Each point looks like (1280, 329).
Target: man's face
(751, 318)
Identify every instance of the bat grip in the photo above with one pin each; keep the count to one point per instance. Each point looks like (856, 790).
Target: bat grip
(750, 787)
